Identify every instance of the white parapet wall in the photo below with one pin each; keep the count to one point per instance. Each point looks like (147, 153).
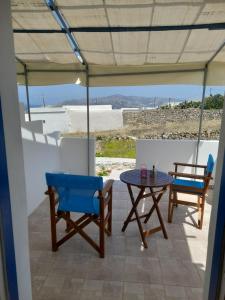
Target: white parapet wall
(163, 153)
(53, 118)
(74, 155)
(43, 153)
(34, 126)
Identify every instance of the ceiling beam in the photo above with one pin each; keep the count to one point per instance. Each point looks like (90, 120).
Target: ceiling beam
(68, 30)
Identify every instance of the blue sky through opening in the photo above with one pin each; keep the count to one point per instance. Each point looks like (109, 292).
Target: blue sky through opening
(56, 94)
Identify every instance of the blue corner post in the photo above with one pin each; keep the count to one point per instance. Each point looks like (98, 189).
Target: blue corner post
(9, 262)
(219, 243)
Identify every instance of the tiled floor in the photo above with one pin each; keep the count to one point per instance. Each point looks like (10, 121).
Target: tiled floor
(168, 269)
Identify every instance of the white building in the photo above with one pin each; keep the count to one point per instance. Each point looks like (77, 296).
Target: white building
(73, 118)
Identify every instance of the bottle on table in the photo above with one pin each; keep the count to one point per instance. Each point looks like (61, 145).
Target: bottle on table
(153, 170)
(143, 171)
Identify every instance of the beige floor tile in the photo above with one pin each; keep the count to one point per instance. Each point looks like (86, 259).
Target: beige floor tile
(143, 270)
(133, 288)
(112, 289)
(179, 272)
(110, 268)
(130, 296)
(154, 292)
(194, 293)
(175, 293)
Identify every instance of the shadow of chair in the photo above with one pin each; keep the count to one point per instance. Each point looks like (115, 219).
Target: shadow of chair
(79, 194)
(193, 184)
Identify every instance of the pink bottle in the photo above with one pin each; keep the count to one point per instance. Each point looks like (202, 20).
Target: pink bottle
(143, 172)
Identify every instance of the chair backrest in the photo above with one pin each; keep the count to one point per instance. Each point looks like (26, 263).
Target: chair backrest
(74, 181)
(80, 188)
(208, 171)
(210, 164)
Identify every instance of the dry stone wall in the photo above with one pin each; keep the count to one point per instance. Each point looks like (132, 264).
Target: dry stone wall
(154, 116)
(172, 123)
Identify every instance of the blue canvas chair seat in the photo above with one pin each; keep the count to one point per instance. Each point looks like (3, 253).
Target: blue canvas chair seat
(187, 183)
(82, 194)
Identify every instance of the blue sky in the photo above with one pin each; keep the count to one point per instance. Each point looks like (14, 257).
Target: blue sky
(56, 94)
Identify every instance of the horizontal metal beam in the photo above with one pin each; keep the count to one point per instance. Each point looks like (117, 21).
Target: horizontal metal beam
(148, 73)
(17, 30)
(55, 71)
(118, 74)
(209, 26)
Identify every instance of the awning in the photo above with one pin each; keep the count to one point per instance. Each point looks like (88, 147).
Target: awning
(123, 42)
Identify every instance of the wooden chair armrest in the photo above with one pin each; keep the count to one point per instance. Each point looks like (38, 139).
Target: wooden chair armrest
(108, 185)
(186, 175)
(189, 165)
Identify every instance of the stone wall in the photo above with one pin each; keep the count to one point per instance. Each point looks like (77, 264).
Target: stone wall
(154, 116)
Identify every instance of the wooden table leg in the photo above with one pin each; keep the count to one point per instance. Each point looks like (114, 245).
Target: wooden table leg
(153, 206)
(134, 211)
(155, 200)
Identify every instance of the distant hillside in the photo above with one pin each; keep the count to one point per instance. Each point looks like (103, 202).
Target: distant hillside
(120, 101)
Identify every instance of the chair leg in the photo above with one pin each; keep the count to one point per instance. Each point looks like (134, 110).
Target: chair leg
(202, 206)
(53, 223)
(68, 225)
(170, 207)
(109, 225)
(102, 230)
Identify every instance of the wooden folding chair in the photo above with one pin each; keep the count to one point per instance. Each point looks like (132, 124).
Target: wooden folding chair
(75, 193)
(192, 185)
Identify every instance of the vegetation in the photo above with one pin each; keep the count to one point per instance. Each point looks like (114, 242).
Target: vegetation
(117, 148)
(103, 171)
(211, 102)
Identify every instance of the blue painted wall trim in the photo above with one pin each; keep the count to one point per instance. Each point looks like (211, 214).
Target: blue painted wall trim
(218, 251)
(6, 220)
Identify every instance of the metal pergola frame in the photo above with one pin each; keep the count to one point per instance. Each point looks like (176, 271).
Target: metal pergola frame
(65, 29)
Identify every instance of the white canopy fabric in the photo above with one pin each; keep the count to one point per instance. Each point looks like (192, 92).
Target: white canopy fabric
(141, 57)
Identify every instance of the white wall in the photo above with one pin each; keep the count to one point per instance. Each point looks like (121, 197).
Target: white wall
(74, 118)
(74, 155)
(35, 126)
(14, 151)
(55, 119)
(163, 153)
(41, 154)
(99, 120)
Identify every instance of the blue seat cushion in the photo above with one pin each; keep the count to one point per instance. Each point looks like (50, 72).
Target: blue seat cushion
(189, 183)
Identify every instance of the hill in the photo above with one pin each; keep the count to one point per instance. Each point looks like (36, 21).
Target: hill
(119, 101)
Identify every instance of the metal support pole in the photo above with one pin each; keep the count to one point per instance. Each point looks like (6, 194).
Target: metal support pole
(88, 120)
(27, 92)
(202, 110)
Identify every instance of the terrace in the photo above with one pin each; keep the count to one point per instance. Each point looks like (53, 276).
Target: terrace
(168, 269)
(106, 43)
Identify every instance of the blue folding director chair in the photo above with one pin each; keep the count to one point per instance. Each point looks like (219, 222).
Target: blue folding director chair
(80, 194)
(193, 184)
